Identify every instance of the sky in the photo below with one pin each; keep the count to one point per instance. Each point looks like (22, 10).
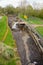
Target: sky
(15, 3)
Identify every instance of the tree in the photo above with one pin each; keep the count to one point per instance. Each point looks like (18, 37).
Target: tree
(9, 9)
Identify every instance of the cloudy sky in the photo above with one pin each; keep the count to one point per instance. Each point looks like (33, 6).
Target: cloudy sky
(15, 3)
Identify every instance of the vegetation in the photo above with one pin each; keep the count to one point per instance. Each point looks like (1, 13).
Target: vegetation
(28, 10)
(7, 62)
(32, 20)
(3, 27)
(9, 39)
(35, 20)
(40, 30)
(7, 55)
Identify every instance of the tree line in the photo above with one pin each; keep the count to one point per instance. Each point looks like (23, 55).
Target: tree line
(28, 10)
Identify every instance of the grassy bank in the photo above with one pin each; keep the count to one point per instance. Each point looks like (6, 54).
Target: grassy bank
(7, 39)
(32, 20)
(3, 26)
(3, 29)
(40, 30)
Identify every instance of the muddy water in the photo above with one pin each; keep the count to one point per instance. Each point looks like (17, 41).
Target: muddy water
(21, 38)
(26, 47)
(24, 38)
(21, 49)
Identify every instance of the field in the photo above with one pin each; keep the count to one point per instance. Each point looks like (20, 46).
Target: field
(7, 39)
(32, 20)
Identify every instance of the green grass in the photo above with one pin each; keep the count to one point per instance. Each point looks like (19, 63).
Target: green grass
(3, 27)
(7, 56)
(7, 62)
(40, 30)
(9, 39)
(32, 20)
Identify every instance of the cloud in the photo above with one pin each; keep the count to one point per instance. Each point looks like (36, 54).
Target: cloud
(4, 3)
(15, 3)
